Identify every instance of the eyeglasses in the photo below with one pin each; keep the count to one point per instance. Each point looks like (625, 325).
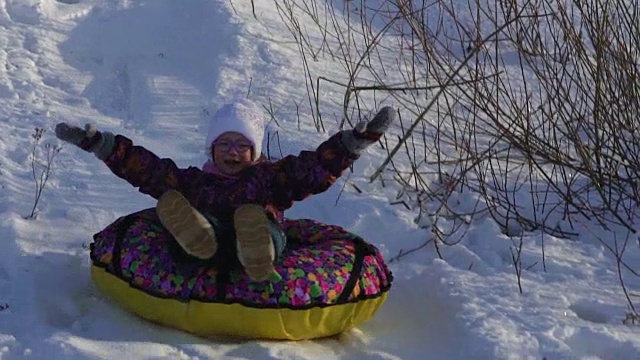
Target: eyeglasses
(227, 145)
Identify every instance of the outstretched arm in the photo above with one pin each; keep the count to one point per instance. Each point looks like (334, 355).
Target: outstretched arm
(151, 174)
(312, 172)
(135, 164)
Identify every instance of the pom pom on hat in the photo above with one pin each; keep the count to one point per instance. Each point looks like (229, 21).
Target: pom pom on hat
(241, 116)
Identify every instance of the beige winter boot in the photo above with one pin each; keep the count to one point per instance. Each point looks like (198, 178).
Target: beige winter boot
(255, 248)
(188, 226)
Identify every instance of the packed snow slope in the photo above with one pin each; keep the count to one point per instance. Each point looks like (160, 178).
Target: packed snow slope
(150, 70)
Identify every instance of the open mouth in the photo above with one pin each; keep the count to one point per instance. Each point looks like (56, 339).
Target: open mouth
(232, 162)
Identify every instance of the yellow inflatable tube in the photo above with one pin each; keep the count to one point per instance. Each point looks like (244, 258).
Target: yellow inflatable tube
(330, 280)
(211, 319)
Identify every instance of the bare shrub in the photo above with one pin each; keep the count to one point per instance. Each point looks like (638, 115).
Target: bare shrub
(530, 107)
(41, 166)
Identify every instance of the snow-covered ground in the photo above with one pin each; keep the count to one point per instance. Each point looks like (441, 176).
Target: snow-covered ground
(149, 70)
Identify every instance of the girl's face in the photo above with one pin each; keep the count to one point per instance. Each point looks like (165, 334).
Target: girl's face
(232, 153)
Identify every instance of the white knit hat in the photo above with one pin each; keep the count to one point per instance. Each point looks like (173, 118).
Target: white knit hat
(241, 116)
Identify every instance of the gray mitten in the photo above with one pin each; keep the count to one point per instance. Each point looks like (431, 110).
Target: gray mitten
(88, 139)
(367, 133)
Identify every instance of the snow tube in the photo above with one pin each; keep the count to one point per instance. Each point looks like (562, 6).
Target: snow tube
(331, 280)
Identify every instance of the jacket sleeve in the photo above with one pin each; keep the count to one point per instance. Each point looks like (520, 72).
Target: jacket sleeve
(145, 170)
(309, 173)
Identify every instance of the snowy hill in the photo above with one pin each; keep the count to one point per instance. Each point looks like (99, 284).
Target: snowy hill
(149, 70)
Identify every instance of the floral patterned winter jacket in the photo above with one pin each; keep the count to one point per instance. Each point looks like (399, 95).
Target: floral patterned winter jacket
(274, 185)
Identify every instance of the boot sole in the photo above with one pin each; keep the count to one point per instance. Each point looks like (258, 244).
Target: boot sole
(188, 226)
(255, 248)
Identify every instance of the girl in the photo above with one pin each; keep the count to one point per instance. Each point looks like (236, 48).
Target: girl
(233, 208)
